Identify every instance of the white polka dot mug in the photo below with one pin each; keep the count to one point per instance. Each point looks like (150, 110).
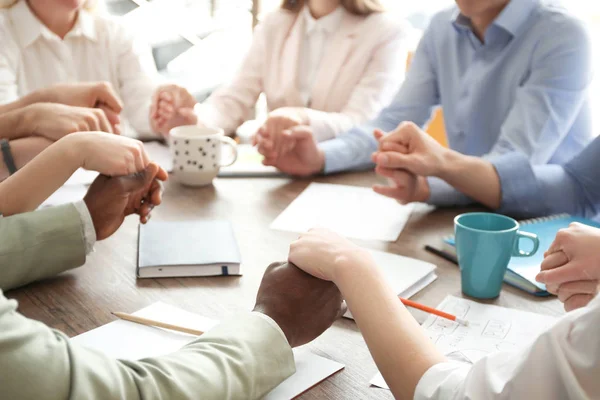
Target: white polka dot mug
(198, 154)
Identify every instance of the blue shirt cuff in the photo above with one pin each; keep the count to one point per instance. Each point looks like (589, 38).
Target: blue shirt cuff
(444, 195)
(350, 151)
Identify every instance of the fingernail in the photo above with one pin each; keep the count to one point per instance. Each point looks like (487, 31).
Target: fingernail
(540, 277)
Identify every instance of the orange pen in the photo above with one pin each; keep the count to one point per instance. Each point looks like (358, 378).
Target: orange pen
(434, 311)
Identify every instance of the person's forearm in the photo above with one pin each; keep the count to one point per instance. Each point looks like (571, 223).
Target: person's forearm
(13, 124)
(24, 150)
(40, 175)
(400, 348)
(37, 96)
(473, 176)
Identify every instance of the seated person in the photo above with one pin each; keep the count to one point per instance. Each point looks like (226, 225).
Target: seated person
(74, 44)
(505, 86)
(33, 122)
(244, 357)
(507, 183)
(562, 363)
(326, 64)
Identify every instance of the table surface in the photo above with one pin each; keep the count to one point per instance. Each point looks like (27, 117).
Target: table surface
(83, 299)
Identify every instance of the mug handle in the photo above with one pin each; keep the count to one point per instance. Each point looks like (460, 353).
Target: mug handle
(231, 143)
(517, 252)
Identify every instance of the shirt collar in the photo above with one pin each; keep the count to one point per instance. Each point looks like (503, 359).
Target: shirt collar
(511, 19)
(328, 23)
(29, 28)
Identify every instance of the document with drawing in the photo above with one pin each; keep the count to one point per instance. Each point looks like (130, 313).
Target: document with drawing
(491, 329)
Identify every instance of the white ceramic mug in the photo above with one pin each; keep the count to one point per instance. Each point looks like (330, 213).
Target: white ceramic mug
(197, 154)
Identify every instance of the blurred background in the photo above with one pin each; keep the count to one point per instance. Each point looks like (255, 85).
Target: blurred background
(200, 43)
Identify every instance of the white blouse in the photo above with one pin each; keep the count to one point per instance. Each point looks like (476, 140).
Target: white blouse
(96, 49)
(563, 363)
(317, 32)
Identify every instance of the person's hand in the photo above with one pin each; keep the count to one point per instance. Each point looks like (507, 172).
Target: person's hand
(406, 156)
(274, 133)
(301, 157)
(323, 253)
(108, 154)
(54, 121)
(172, 106)
(82, 94)
(410, 148)
(111, 199)
(303, 306)
(571, 266)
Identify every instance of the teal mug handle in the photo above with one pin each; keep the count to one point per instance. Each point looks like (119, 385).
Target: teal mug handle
(517, 252)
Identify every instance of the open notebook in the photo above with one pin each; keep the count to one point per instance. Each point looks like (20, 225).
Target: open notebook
(130, 341)
(407, 276)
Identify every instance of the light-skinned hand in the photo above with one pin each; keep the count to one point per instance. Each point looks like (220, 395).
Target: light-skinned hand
(406, 156)
(322, 253)
(54, 121)
(303, 306)
(274, 133)
(302, 157)
(571, 266)
(83, 94)
(107, 154)
(111, 199)
(172, 106)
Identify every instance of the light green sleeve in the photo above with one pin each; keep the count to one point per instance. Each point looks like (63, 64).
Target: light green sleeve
(243, 358)
(40, 244)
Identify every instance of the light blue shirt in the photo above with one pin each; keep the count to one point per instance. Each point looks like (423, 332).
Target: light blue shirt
(524, 90)
(532, 191)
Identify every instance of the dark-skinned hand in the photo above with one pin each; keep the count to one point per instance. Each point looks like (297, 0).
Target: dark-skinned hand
(111, 199)
(303, 306)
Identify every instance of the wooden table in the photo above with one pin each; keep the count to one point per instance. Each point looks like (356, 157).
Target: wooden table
(81, 300)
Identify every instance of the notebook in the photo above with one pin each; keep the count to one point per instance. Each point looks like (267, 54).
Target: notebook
(130, 341)
(187, 248)
(407, 276)
(491, 329)
(523, 270)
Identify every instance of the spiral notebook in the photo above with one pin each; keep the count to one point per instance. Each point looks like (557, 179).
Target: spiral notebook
(522, 270)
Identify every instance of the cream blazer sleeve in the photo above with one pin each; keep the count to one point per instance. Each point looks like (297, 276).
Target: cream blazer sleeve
(228, 107)
(240, 359)
(378, 85)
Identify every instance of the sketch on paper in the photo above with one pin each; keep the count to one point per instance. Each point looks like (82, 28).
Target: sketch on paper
(491, 329)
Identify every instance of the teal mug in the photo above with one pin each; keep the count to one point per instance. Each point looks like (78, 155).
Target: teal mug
(485, 242)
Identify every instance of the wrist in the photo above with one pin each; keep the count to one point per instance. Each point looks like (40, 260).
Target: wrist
(449, 160)
(72, 148)
(279, 320)
(350, 267)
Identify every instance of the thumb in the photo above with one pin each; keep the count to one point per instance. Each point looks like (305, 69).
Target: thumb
(137, 181)
(396, 160)
(378, 133)
(300, 132)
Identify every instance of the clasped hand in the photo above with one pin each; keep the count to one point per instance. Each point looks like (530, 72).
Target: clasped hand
(571, 266)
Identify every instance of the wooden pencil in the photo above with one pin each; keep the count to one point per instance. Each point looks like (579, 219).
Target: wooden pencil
(157, 324)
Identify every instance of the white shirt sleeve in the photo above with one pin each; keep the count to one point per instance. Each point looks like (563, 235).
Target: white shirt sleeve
(138, 79)
(563, 363)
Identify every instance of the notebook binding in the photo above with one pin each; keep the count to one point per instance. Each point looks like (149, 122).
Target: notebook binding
(543, 219)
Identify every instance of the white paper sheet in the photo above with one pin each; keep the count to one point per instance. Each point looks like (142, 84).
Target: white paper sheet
(160, 154)
(407, 276)
(131, 341)
(351, 211)
(491, 329)
(65, 195)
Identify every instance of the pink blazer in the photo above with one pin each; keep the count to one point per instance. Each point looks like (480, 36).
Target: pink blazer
(361, 71)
